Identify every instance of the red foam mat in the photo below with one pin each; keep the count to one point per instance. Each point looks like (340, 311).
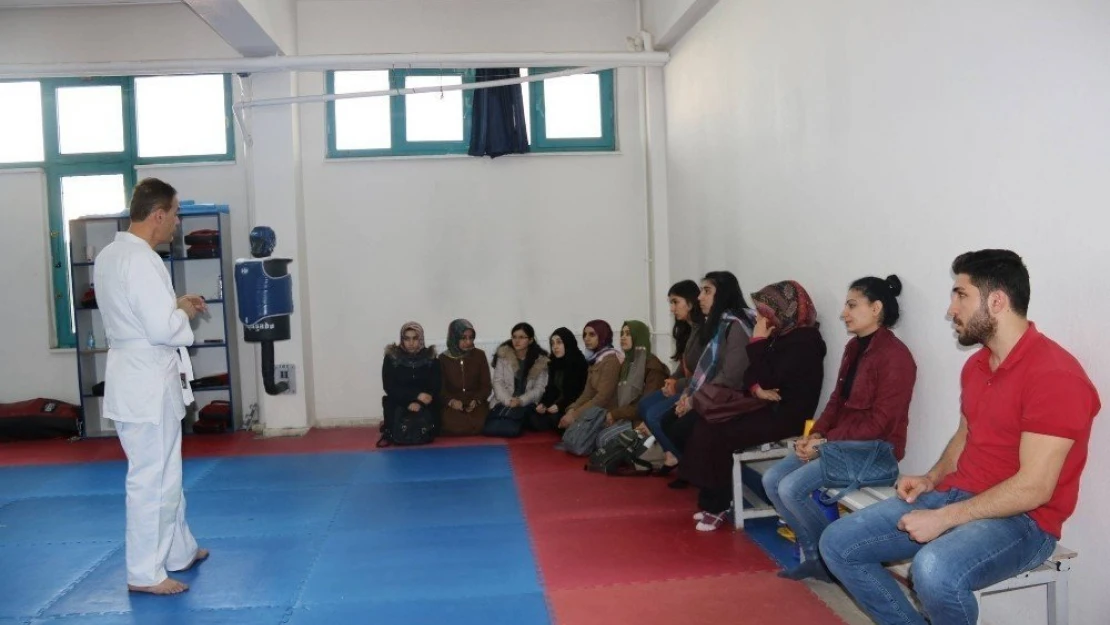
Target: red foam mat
(755, 598)
(317, 440)
(575, 493)
(618, 550)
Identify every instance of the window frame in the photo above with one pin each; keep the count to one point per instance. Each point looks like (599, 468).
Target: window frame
(536, 114)
(605, 143)
(400, 145)
(57, 166)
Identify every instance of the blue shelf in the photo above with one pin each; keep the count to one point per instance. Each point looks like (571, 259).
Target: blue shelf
(215, 216)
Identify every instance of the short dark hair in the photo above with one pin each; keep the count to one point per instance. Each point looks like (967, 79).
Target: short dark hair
(997, 270)
(150, 195)
(885, 291)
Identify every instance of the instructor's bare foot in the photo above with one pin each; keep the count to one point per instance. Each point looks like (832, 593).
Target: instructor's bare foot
(169, 586)
(202, 555)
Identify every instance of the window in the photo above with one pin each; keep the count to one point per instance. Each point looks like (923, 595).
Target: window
(182, 116)
(571, 113)
(21, 123)
(89, 134)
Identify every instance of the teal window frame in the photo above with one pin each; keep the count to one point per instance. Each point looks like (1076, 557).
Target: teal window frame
(605, 143)
(400, 145)
(57, 166)
(539, 143)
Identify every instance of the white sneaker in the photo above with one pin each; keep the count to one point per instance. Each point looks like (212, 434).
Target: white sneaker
(698, 516)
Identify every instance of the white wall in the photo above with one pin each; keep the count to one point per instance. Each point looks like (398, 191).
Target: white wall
(28, 369)
(550, 239)
(77, 35)
(92, 34)
(826, 141)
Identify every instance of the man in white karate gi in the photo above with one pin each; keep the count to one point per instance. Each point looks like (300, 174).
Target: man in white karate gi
(146, 388)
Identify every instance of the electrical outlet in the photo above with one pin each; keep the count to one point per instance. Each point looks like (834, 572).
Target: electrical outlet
(287, 374)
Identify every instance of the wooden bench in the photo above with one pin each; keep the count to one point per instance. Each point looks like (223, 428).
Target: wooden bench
(1053, 574)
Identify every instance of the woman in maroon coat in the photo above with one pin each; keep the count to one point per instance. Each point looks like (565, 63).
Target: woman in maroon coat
(785, 369)
(871, 401)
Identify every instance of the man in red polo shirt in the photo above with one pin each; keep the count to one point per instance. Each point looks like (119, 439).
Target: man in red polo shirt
(994, 504)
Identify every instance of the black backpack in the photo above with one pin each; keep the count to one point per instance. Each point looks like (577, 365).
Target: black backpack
(620, 456)
(404, 427)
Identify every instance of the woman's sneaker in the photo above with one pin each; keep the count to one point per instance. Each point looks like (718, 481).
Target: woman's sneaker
(710, 522)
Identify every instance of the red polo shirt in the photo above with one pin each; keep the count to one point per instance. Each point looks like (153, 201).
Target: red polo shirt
(1039, 388)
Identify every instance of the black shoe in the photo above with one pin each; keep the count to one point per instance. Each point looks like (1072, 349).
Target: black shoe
(678, 483)
(814, 569)
(665, 470)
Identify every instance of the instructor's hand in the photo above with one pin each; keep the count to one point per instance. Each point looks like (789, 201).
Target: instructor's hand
(193, 305)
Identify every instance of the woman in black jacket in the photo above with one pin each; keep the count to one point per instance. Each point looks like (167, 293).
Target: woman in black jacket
(410, 373)
(566, 378)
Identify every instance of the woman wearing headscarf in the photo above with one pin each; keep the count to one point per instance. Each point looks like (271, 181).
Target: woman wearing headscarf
(603, 375)
(519, 379)
(566, 378)
(466, 382)
(642, 373)
(785, 370)
(410, 372)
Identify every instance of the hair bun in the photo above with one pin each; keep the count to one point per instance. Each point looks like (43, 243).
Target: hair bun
(895, 284)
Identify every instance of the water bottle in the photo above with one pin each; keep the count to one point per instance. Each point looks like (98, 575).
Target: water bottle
(92, 340)
(220, 287)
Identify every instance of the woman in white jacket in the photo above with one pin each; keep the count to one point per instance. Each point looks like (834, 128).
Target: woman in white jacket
(519, 380)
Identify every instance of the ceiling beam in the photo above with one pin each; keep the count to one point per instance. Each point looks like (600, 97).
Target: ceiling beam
(240, 28)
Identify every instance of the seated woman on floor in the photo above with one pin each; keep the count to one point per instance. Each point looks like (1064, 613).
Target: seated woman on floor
(871, 401)
(784, 371)
(410, 374)
(642, 373)
(688, 319)
(466, 382)
(566, 378)
(603, 375)
(519, 379)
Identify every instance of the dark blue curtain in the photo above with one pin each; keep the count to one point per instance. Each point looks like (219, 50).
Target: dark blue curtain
(497, 116)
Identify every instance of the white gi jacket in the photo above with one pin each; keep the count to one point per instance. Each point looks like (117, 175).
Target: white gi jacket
(147, 333)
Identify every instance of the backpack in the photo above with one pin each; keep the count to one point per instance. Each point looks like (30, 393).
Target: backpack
(580, 439)
(404, 427)
(620, 456)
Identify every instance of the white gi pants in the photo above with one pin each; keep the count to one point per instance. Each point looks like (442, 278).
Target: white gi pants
(158, 538)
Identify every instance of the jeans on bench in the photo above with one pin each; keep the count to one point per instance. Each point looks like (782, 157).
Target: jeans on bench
(945, 572)
(789, 485)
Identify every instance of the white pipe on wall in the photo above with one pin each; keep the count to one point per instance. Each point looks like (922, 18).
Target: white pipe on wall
(325, 97)
(310, 63)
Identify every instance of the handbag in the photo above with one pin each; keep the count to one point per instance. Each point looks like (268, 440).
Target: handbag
(851, 465)
(580, 439)
(505, 422)
(717, 403)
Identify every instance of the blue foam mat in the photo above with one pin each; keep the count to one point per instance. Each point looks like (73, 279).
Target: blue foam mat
(250, 513)
(452, 463)
(422, 563)
(32, 576)
(249, 616)
(524, 608)
(430, 503)
(281, 472)
(407, 535)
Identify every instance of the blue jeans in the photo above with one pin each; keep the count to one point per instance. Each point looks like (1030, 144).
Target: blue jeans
(790, 485)
(651, 409)
(945, 572)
